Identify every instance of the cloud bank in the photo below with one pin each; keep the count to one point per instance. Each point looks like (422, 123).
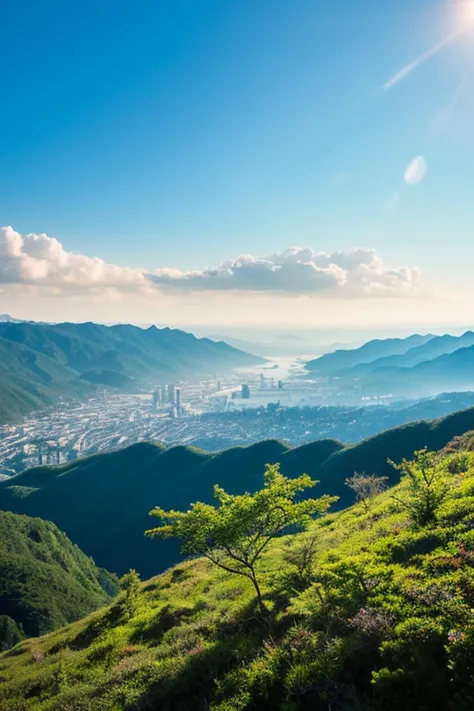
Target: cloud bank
(41, 261)
(355, 272)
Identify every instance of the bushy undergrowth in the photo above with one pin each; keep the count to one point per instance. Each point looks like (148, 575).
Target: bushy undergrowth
(368, 611)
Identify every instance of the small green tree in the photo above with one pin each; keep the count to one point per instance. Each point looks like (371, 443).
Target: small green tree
(366, 486)
(130, 584)
(234, 534)
(428, 485)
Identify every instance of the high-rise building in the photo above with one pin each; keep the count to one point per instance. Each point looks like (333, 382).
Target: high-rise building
(171, 393)
(178, 400)
(163, 394)
(262, 381)
(245, 391)
(154, 399)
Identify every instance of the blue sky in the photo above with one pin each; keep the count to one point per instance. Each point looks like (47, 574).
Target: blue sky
(179, 134)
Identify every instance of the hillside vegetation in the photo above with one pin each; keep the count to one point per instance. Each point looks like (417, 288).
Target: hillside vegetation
(45, 580)
(41, 362)
(31, 380)
(370, 609)
(102, 503)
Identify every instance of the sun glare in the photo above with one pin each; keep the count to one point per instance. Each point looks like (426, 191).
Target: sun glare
(466, 10)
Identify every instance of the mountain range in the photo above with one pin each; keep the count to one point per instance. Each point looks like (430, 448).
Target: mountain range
(417, 366)
(6, 318)
(41, 362)
(102, 502)
(340, 360)
(433, 348)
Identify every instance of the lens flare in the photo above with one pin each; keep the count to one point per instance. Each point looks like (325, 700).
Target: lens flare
(466, 14)
(463, 21)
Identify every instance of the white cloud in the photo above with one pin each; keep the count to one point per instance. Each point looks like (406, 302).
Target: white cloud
(39, 260)
(354, 272)
(42, 262)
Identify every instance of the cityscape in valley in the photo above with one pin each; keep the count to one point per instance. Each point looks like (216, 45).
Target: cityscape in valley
(281, 399)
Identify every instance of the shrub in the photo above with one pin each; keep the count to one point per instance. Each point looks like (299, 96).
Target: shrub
(130, 584)
(301, 555)
(366, 487)
(427, 483)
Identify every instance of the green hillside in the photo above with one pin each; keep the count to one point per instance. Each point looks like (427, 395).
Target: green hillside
(370, 609)
(102, 503)
(16, 401)
(45, 580)
(40, 363)
(30, 380)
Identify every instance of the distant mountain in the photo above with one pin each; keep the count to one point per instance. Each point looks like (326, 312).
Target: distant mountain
(259, 349)
(30, 379)
(41, 362)
(332, 363)
(277, 345)
(451, 371)
(6, 318)
(45, 580)
(102, 502)
(436, 346)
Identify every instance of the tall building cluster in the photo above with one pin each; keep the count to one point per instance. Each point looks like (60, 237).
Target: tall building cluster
(166, 395)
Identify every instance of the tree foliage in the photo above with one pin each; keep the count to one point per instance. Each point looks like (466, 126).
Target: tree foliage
(428, 485)
(10, 632)
(234, 533)
(130, 584)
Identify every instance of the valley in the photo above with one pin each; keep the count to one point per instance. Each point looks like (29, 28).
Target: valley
(211, 415)
(102, 501)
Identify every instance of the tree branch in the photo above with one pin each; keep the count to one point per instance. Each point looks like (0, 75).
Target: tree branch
(227, 568)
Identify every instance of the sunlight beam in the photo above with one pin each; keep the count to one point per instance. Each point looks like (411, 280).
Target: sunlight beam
(421, 60)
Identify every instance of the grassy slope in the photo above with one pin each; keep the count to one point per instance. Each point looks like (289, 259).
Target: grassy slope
(102, 503)
(387, 619)
(45, 580)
